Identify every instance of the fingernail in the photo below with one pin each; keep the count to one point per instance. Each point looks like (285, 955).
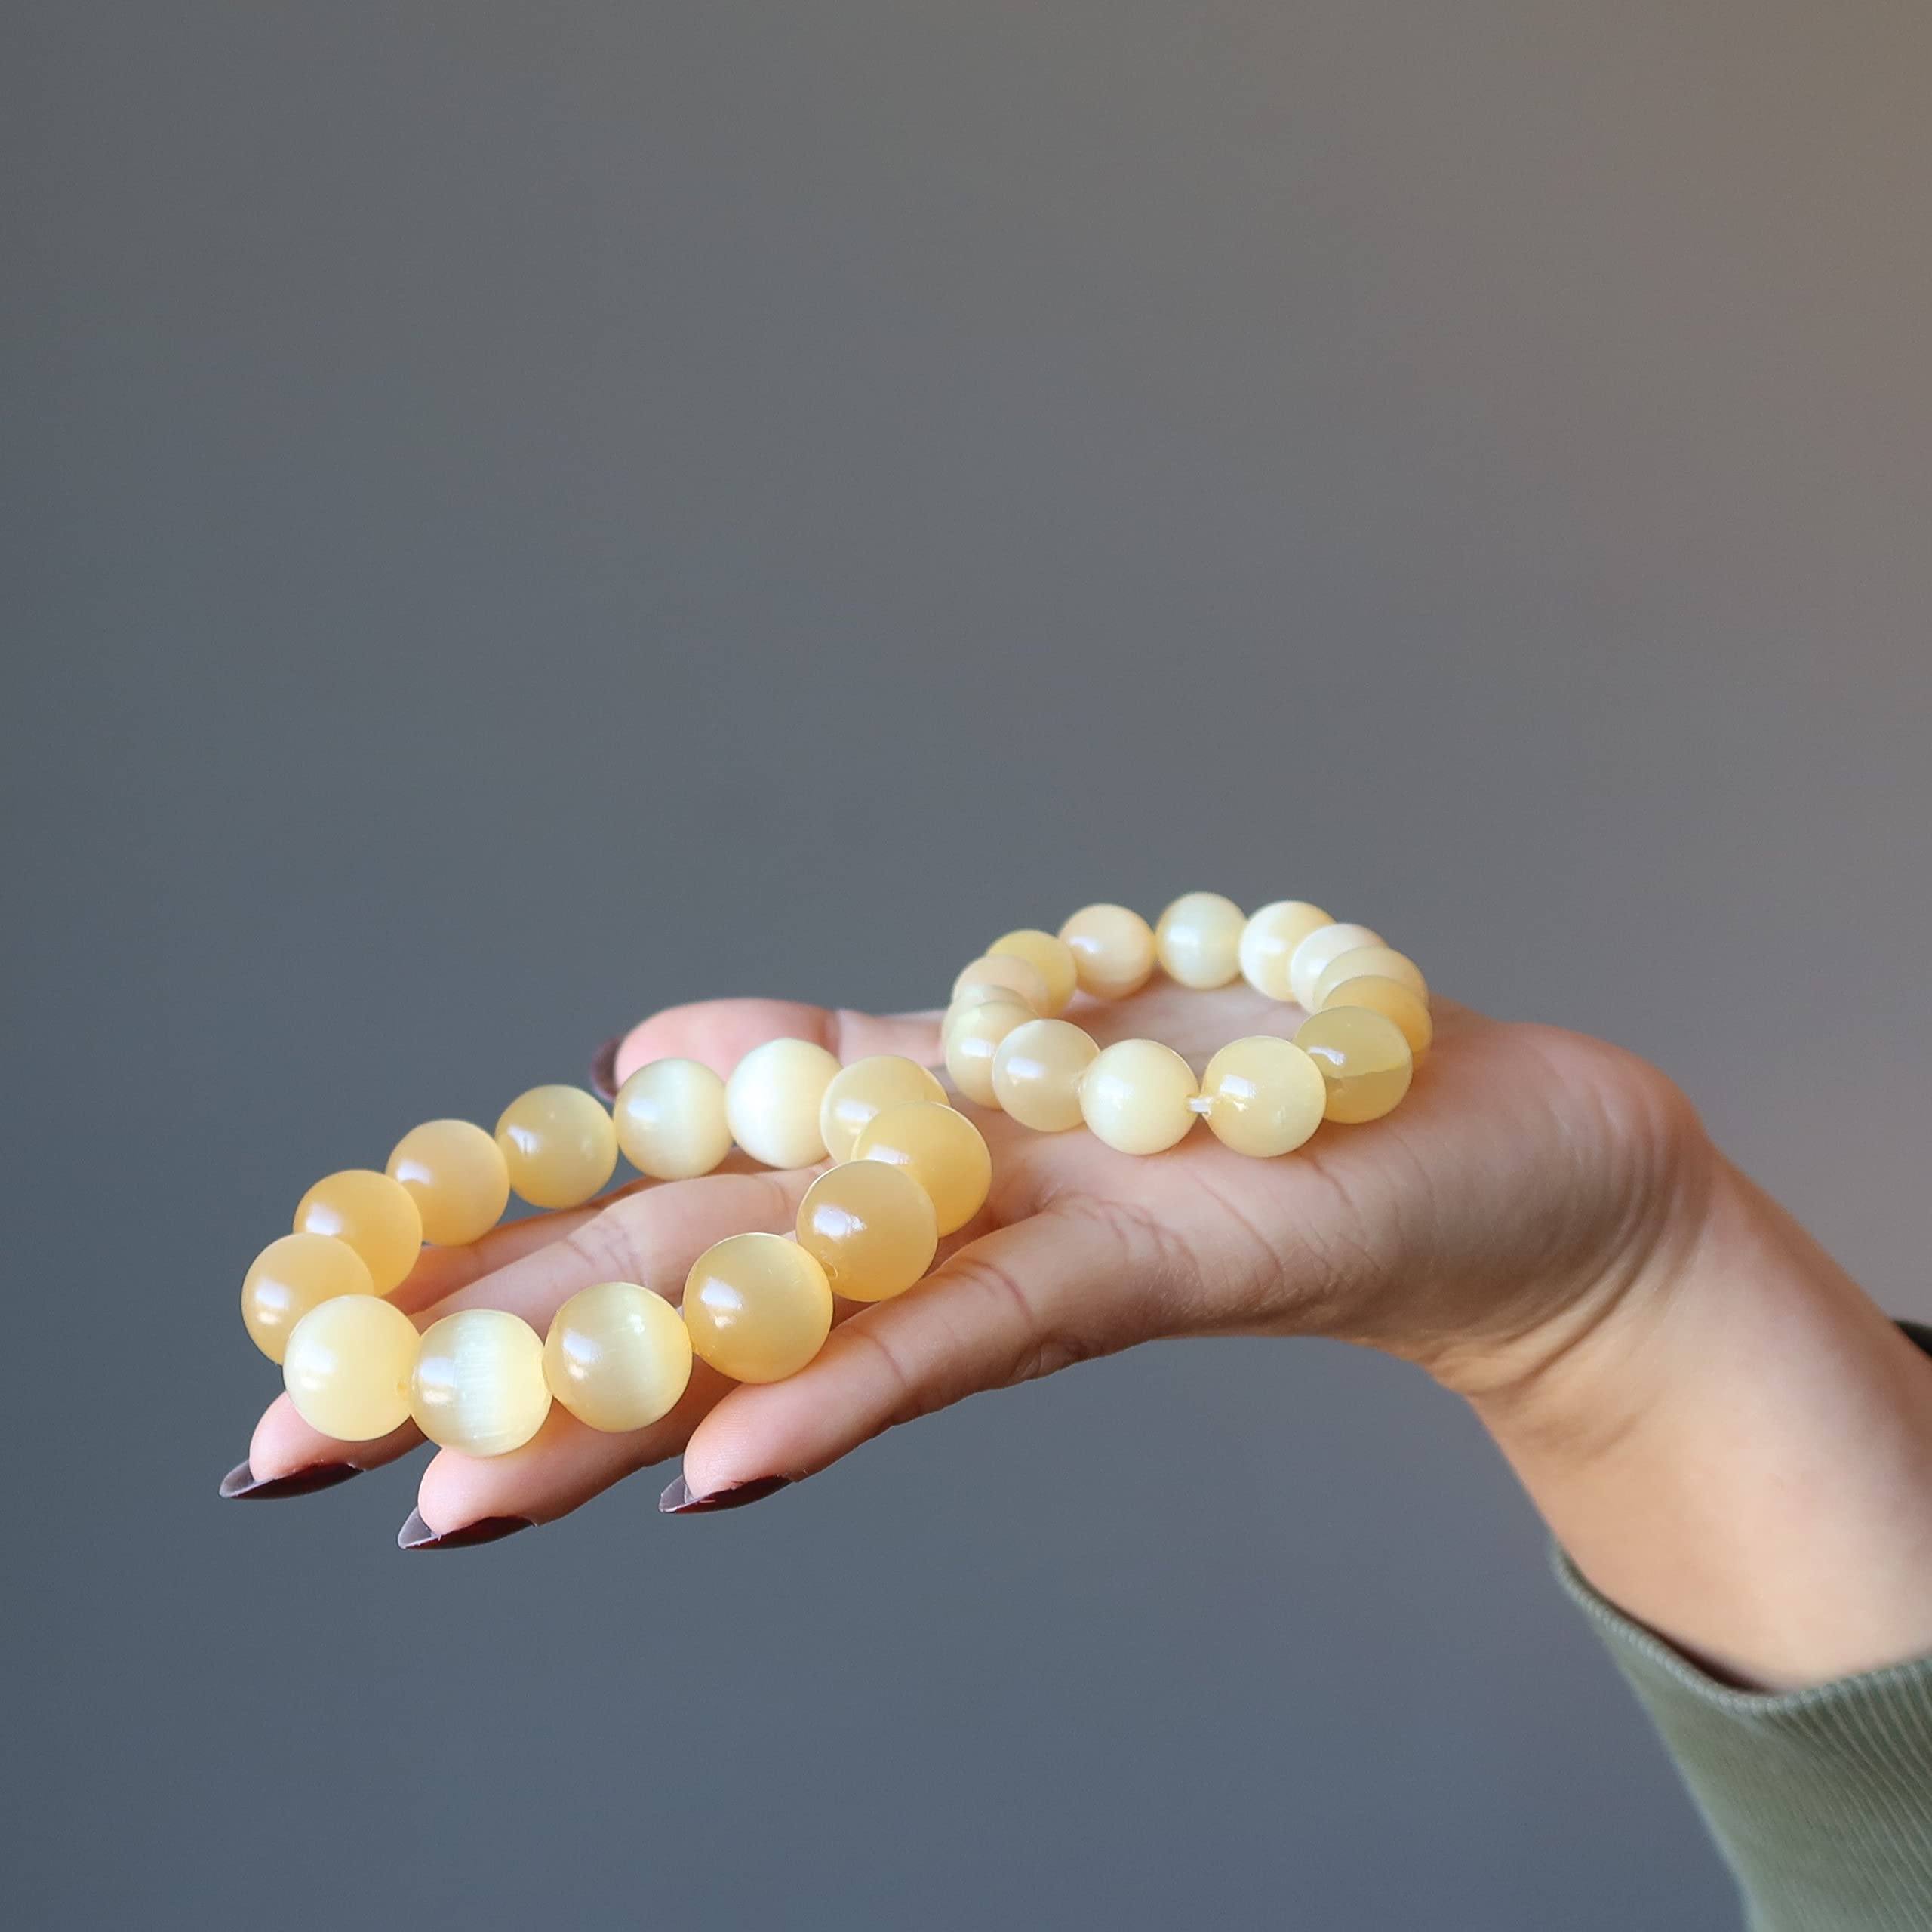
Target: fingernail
(240, 1481)
(678, 1500)
(417, 1534)
(604, 1069)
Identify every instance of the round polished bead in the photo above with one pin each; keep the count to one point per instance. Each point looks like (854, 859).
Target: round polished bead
(1198, 939)
(347, 1367)
(1311, 958)
(1113, 948)
(866, 1088)
(458, 1177)
(1268, 940)
(1136, 1097)
(290, 1277)
(1265, 1096)
(376, 1216)
(871, 1227)
(560, 1144)
(1037, 1073)
(669, 1118)
(478, 1386)
(757, 1307)
(772, 1102)
(1053, 957)
(1364, 1058)
(1384, 962)
(1393, 1001)
(1018, 975)
(973, 1039)
(617, 1357)
(942, 1150)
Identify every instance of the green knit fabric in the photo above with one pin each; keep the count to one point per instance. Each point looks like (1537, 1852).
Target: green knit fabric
(1820, 1799)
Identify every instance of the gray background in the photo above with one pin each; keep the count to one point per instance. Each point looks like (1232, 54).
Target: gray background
(517, 515)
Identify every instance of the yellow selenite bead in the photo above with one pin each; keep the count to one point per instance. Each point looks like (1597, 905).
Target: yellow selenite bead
(1311, 958)
(1198, 939)
(1053, 957)
(1037, 1073)
(1113, 948)
(377, 1217)
(866, 1088)
(1364, 1058)
(772, 1101)
(347, 1367)
(290, 1277)
(757, 1307)
(560, 1144)
(941, 1149)
(478, 1384)
(871, 1227)
(457, 1176)
(1383, 961)
(1136, 1095)
(1008, 970)
(1268, 940)
(1393, 1001)
(617, 1357)
(669, 1118)
(1265, 1096)
(973, 1039)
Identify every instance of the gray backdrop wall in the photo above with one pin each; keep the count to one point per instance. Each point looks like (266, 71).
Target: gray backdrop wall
(516, 514)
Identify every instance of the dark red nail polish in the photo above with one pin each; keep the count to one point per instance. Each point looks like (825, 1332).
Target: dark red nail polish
(604, 1069)
(240, 1482)
(417, 1534)
(678, 1500)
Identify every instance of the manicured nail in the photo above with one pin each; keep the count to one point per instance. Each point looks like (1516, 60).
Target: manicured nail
(604, 1069)
(678, 1500)
(417, 1534)
(240, 1481)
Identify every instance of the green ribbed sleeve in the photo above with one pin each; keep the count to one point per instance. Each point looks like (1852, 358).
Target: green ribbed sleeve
(1819, 1799)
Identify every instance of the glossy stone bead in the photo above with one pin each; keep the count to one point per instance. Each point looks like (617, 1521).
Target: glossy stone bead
(867, 1087)
(1268, 940)
(290, 1277)
(1311, 958)
(669, 1118)
(617, 1357)
(1018, 975)
(478, 1386)
(1198, 939)
(1053, 957)
(1037, 1072)
(1113, 948)
(1136, 1097)
(346, 1369)
(772, 1102)
(942, 1150)
(1364, 1058)
(561, 1146)
(872, 1228)
(973, 1039)
(456, 1176)
(757, 1307)
(1383, 961)
(376, 1216)
(1265, 1096)
(1393, 1001)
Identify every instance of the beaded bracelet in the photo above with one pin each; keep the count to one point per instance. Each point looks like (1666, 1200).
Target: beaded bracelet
(1350, 1060)
(757, 1307)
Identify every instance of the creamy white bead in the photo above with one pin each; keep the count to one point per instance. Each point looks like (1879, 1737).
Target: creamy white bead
(1310, 958)
(478, 1386)
(1137, 1095)
(973, 1038)
(346, 1367)
(1268, 940)
(1198, 941)
(617, 1357)
(1037, 1072)
(866, 1088)
(772, 1102)
(670, 1120)
(1113, 948)
(1265, 1096)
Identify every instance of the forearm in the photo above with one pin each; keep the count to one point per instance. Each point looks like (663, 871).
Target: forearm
(1740, 1456)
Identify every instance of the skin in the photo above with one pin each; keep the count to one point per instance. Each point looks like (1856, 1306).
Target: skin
(1730, 1438)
